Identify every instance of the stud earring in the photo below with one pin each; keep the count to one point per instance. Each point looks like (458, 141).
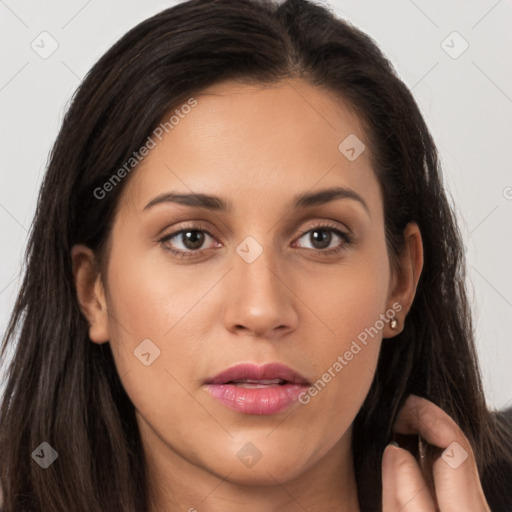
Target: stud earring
(394, 323)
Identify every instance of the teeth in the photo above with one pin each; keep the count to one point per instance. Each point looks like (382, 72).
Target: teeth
(251, 383)
(268, 381)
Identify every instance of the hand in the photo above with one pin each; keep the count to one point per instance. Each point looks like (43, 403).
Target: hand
(456, 484)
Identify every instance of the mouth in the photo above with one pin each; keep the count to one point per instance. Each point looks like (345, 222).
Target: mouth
(259, 390)
(257, 384)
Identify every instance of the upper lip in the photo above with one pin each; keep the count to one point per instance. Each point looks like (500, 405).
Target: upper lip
(253, 372)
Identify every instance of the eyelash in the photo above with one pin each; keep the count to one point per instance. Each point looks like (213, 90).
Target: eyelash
(320, 227)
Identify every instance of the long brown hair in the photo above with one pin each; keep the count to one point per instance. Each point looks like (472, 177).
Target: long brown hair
(64, 389)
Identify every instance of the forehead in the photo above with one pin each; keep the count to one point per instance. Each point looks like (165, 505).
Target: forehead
(262, 139)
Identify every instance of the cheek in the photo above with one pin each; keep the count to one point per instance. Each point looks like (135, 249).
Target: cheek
(155, 329)
(149, 297)
(162, 303)
(350, 304)
(350, 297)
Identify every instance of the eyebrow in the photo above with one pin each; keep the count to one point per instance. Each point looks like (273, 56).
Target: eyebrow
(215, 203)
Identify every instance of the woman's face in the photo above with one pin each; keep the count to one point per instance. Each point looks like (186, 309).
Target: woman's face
(259, 282)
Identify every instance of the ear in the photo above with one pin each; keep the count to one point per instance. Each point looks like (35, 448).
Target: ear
(405, 279)
(90, 292)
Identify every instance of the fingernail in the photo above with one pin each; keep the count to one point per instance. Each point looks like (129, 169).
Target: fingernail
(394, 443)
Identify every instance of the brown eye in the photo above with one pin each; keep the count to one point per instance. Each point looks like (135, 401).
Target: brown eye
(192, 239)
(185, 242)
(321, 238)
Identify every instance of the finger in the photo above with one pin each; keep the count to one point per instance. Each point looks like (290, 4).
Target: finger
(419, 415)
(456, 480)
(403, 486)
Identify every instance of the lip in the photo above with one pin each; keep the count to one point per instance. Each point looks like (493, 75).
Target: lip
(251, 389)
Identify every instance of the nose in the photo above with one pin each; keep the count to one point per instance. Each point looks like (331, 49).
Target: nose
(259, 302)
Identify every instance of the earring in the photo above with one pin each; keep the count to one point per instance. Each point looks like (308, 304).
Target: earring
(394, 323)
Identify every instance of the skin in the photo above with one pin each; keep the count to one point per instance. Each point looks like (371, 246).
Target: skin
(455, 485)
(257, 147)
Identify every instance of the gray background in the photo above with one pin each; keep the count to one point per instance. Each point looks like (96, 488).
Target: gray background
(467, 103)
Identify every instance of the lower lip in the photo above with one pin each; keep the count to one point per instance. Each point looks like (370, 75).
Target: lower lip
(268, 400)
